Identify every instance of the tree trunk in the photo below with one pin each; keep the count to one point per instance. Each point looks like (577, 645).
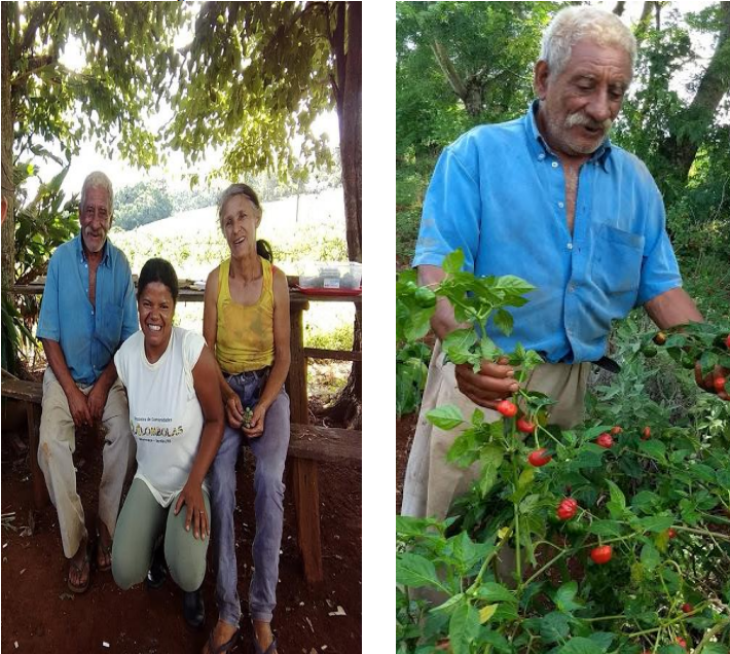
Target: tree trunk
(680, 150)
(347, 408)
(8, 188)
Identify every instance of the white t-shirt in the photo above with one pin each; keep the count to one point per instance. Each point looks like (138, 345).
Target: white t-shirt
(164, 412)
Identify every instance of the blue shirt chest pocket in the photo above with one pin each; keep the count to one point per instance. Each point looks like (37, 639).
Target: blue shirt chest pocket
(109, 331)
(616, 261)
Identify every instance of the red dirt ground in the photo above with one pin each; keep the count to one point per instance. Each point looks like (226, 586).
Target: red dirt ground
(40, 615)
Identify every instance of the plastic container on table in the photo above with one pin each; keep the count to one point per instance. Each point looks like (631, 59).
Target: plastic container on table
(331, 276)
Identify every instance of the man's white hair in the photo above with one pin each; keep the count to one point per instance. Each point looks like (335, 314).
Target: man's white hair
(574, 24)
(97, 179)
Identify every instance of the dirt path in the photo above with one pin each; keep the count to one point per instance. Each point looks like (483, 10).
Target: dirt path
(40, 615)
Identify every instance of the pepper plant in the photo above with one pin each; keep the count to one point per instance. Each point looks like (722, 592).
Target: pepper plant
(620, 534)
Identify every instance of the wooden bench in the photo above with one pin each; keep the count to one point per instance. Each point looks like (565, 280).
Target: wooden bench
(30, 394)
(308, 446)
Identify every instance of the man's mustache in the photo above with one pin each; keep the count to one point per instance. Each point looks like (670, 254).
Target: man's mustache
(582, 120)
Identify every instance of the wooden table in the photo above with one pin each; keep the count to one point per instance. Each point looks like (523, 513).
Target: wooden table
(304, 471)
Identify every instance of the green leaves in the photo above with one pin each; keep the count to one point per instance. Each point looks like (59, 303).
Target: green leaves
(463, 628)
(415, 571)
(445, 417)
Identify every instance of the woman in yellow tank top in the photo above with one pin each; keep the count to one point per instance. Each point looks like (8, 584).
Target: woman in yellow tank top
(246, 324)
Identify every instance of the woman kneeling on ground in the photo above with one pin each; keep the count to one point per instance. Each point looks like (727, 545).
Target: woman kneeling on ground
(246, 324)
(177, 418)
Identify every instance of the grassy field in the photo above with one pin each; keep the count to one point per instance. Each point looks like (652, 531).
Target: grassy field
(308, 228)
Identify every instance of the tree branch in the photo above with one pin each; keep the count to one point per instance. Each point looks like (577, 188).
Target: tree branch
(35, 21)
(449, 70)
(34, 65)
(619, 8)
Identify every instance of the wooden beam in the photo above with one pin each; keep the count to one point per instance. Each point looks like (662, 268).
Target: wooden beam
(335, 355)
(325, 444)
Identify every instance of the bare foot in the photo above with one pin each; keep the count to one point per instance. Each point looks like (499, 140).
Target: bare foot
(103, 548)
(79, 570)
(222, 633)
(263, 634)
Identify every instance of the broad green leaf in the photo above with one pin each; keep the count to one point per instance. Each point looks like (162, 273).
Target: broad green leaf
(653, 448)
(645, 501)
(605, 528)
(656, 523)
(617, 505)
(457, 344)
(491, 459)
(715, 648)
(449, 603)
(463, 628)
(579, 645)
(454, 262)
(554, 627)
(526, 478)
(494, 592)
(504, 322)
(418, 324)
(650, 557)
(415, 571)
(445, 417)
(514, 285)
(565, 597)
(528, 505)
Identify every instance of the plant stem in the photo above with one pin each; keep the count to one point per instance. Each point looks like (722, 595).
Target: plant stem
(710, 633)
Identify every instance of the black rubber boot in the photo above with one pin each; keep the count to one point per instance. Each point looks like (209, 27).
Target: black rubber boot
(194, 608)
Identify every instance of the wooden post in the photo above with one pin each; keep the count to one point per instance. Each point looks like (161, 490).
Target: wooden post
(296, 383)
(304, 473)
(40, 492)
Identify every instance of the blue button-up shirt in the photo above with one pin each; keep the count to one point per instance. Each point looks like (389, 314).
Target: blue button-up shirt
(89, 336)
(498, 193)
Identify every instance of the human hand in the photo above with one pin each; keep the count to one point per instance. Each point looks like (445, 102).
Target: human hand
(78, 405)
(234, 411)
(192, 497)
(494, 382)
(96, 401)
(708, 382)
(256, 424)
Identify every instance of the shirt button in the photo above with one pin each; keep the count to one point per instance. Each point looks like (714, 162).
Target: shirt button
(555, 164)
(571, 288)
(561, 204)
(541, 157)
(570, 246)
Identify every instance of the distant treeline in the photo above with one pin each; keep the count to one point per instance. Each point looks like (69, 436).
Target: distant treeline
(149, 201)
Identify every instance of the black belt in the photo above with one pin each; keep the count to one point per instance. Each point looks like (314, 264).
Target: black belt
(256, 374)
(603, 362)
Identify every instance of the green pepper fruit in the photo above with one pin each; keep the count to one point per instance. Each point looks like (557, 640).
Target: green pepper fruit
(425, 297)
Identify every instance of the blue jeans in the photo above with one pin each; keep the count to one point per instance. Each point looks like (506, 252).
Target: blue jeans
(270, 451)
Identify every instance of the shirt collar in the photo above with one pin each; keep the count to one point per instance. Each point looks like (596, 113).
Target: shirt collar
(106, 258)
(540, 146)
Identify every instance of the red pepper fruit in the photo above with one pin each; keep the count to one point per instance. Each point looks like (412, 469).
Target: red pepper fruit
(682, 642)
(567, 509)
(601, 554)
(687, 607)
(615, 431)
(605, 440)
(539, 458)
(719, 384)
(646, 434)
(525, 426)
(507, 408)
(671, 533)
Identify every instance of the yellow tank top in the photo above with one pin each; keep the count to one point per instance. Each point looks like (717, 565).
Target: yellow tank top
(245, 339)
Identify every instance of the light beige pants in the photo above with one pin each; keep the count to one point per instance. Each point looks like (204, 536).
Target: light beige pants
(431, 484)
(55, 456)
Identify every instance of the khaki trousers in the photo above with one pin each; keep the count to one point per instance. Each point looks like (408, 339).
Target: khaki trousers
(431, 484)
(55, 455)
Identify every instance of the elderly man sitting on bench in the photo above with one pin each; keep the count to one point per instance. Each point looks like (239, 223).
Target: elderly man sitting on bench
(88, 311)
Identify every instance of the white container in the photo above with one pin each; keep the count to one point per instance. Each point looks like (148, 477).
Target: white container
(331, 275)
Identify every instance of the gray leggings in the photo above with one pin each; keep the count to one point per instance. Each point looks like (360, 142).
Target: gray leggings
(140, 524)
